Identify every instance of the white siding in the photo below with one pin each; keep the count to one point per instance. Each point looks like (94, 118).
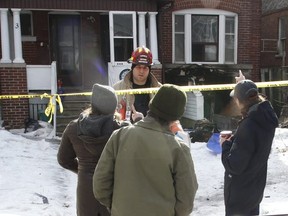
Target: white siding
(195, 106)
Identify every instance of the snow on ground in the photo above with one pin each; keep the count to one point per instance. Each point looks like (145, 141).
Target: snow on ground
(33, 184)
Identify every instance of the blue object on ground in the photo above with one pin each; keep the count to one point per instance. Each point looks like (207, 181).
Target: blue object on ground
(213, 144)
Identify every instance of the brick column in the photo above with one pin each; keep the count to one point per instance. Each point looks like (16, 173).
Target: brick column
(156, 70)
(13, 81)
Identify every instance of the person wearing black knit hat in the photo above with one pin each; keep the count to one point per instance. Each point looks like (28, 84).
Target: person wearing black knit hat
(82, 143)
(245, 154)
(163, 106)
(147, 161)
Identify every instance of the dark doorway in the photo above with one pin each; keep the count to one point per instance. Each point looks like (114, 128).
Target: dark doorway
(65, 48)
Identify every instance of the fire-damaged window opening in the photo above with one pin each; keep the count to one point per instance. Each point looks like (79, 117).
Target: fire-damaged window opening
(217, 106)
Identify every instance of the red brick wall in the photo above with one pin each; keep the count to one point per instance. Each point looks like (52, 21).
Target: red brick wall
(13, 81)
(269, 30)
(157, 72)
(30, 53)
(37, 52)
(249, 20)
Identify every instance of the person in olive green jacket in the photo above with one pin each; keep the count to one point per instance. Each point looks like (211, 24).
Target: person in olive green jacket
(144, 169)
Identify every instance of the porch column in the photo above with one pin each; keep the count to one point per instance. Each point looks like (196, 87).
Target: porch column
(17, 36)
(153, 36)
(142, 29)
(5, 44)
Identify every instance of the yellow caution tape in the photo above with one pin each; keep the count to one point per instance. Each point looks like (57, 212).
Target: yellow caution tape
(152, 90)
(203, 87)
(51, 108)
(3, 97)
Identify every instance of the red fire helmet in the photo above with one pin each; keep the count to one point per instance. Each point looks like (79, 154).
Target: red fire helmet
(141, 55)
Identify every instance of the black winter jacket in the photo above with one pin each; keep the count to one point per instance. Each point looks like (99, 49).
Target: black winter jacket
(245, 159)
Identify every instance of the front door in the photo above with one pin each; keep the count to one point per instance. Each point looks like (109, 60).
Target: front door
(65, 48)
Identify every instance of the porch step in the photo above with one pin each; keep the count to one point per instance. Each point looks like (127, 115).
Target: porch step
(72, 107)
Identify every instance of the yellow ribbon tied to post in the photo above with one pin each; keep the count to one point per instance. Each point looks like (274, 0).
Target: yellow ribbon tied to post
(51, 107)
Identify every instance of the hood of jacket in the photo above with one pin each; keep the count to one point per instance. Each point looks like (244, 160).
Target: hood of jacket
(264, 114)
(95, 125)
(95, 130)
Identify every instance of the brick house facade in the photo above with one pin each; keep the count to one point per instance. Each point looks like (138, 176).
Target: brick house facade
(274, 62)
(91, 19)
(247, 17)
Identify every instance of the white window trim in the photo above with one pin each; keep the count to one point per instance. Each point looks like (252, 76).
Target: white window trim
(187, 38)
(29, 38)
(281, 40)
(112, 54)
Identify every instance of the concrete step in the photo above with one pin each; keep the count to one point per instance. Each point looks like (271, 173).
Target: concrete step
(72, 107)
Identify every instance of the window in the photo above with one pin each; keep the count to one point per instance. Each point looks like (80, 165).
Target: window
(204, 36)
(179, 38)
(229, 39)
(122, 35)
(282, 35)
(26, 24)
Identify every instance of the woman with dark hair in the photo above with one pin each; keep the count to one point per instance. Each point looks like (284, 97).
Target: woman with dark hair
(82, 143)
(245, 155)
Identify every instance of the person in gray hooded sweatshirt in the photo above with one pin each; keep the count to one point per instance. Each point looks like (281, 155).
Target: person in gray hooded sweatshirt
(82, 143)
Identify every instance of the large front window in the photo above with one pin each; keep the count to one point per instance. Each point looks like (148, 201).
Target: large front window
(204, 36)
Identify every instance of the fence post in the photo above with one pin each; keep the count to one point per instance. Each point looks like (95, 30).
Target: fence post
(53, 92)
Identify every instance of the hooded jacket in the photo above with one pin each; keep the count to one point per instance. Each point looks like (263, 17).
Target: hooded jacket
(145, 170)
(81, 146)
(245, 159)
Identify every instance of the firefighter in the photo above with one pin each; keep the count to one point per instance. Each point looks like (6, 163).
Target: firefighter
(136, 106)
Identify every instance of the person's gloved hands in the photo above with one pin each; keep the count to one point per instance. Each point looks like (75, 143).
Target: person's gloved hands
(137, 116)
(222, 139)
